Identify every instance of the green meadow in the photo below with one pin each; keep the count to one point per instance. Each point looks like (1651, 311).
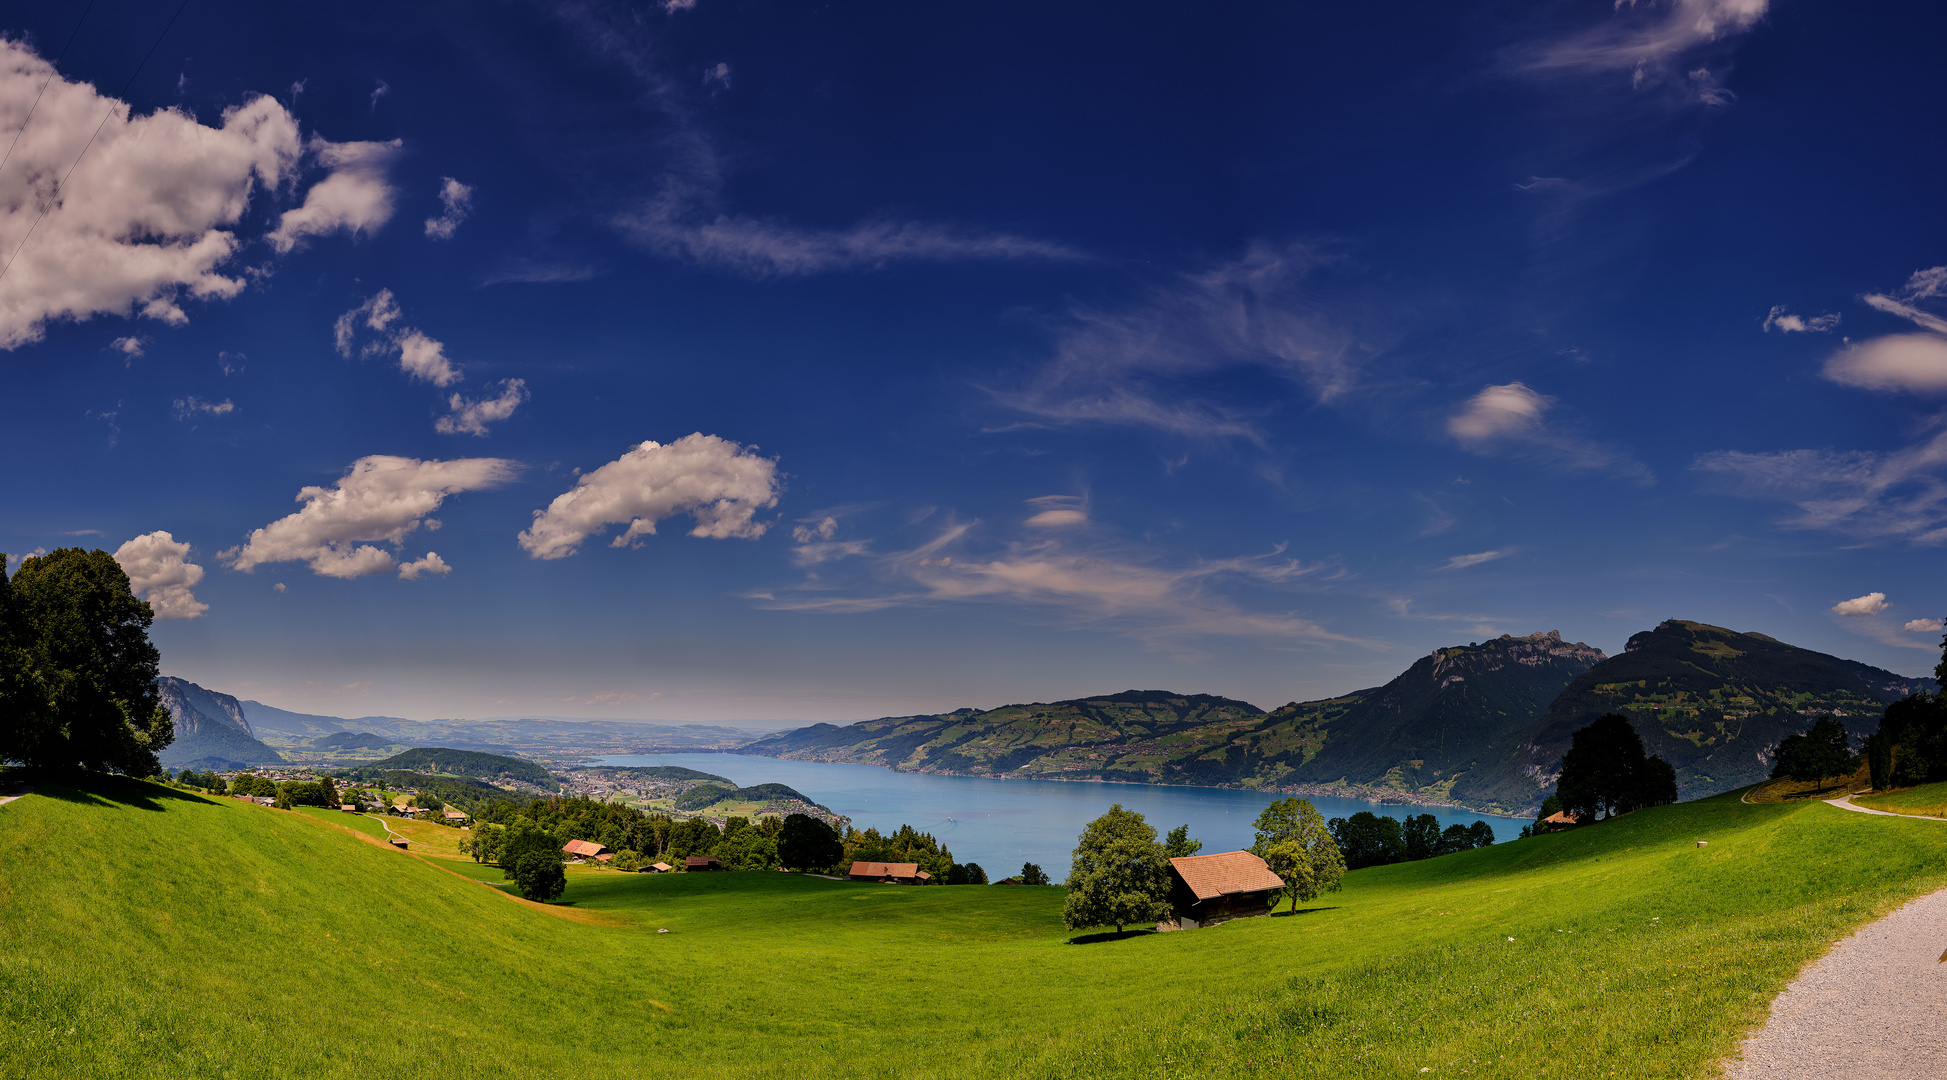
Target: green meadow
(1924, 800)
(146, 931)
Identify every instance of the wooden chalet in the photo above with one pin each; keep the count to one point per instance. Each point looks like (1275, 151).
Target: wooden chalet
(1209, 889)
(695, 863)
(347, 808)
(456, 815)
(896, 873)
(583, 849)
(398, 842)
(661, 867)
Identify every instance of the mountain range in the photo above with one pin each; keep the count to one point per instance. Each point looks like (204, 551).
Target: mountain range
(1482, 725)
(211, 729)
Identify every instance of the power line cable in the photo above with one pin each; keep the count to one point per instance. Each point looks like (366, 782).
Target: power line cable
(50, 78)
(91, 139)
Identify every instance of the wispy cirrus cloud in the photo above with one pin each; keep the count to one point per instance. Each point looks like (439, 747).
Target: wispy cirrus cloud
(1667, 45)
(1132, 365)
(1462, 562)
(1782, 320)
(1071, 583)
(1870, 496)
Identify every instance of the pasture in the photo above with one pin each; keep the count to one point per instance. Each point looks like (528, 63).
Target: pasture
(147, 931)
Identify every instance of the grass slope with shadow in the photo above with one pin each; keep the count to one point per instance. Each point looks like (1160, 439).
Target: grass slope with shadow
(150, 932)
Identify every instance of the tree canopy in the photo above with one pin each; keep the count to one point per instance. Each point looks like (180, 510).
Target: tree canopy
(1178, 844)
(1294, 841)
(533, 859)
(805, 843)
(1606, 773)
(77, 670)
(1825, 750)
(1119, 875)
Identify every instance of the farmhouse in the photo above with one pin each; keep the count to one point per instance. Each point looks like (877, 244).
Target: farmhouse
(661, 867)
(694, 863)
(347, 808)
(456, 815)
(583, 849)
(899, 873)
(1209, 889)
(398, 842)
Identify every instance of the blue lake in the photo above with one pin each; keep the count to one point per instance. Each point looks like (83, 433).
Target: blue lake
(1001, 824)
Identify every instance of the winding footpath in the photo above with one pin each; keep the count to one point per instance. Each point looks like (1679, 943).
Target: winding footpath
(1874, 1008)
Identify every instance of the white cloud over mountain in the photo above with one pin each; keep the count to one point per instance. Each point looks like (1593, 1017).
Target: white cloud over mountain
(380, 499)
(144, 222)
(159, 571)
(719, 483)
(1512, 419)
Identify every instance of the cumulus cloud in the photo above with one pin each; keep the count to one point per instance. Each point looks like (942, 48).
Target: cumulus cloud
(129, 347)
(472, 417)
(809, 534)
(1782, 320)
(717, 76)
(380, 499)
(420, 356)
(192, 406)
(431, 564)
(815, 543)
(355, 197)
(1915, 362)
(1655, 43)
(1922, 626)
(1129, 366)
(159, 571)
(279, 588)
(146, 221)
(719, 483)
(1512, 419)
(456, 202)
(1863, 494)
(1870, 604)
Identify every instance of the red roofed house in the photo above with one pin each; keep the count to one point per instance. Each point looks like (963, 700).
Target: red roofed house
(899, 873)
(693, 863)
(582, 849)
(1209, 889)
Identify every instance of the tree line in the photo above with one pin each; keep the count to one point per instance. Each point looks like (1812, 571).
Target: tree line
(1367, 839)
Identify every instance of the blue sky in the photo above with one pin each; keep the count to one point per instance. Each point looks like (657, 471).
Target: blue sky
(744, 361)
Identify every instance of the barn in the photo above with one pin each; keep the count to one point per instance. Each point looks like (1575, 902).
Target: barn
(1209, 889)
(897, 873)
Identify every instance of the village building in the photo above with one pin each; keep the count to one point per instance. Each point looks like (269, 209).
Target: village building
(897, 873)
(661, 867)
(456, 815)
(347, 808)
(695, 863)
(398, 842)
(583, 849)
(1209, 889)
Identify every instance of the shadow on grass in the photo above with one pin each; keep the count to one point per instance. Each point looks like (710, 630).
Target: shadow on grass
(1301, 911)
(100, 789)
(1092, 939)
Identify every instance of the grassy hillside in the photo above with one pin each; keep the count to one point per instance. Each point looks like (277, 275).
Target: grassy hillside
(146, 931)
(1926, 800)
(438, 760)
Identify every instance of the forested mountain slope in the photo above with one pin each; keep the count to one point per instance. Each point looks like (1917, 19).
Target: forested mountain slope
(210, 728)
(1712, 702)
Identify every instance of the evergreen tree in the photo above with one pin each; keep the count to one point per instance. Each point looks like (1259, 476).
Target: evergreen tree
(1178, 845)
(1293, 840)
(1119, 874)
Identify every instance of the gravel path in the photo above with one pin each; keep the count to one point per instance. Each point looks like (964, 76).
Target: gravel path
(1874, 1008)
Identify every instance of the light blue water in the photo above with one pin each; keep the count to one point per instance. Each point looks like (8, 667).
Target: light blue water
(1001, 824)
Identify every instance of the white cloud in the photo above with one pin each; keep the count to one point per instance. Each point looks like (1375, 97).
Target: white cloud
(1927, 283)
(1916, 362)
(1654, 43)
(431, 564)
(1906, 311)
(1870, 496)
(1461, 562)
(355, 197)
(1784, 321)
(1869, 604)
(719, 75)
(807, 534)
(1057, 512)
(674, 6)
(230, 362)
(456, 202)
(420, 356)
(1128, 366)
(187, 407)
(1923, 626)
(129, 347)
(472, 417)
(1512, 419)
(774, 249)
(1078, 587)
(380, 499)
(379, 91)
(279, 588)
(719, 483)
(160, 572)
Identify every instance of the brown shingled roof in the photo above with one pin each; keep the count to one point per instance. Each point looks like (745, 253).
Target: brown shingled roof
(884, 869)
(583, 848)
(1210, 876)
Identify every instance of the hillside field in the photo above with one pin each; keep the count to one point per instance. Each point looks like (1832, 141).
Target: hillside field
(1924, 800)
(147, 931)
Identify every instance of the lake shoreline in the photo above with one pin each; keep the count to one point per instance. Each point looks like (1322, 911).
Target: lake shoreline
(1330, 791)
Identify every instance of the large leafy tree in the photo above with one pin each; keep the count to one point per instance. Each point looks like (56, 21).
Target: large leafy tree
(1294, 841)
(805, 843)
(1420, 834)
(1366, 839)
(78, 667)
(532, 858)
(1606, 773)
(1032, 874)
(1178, 845)
(1825, 750)
(1119, 875)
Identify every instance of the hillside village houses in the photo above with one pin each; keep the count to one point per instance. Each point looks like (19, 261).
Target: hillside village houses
(583, 850)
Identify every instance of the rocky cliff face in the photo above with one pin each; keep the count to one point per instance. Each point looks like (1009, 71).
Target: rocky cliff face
(210, 728)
